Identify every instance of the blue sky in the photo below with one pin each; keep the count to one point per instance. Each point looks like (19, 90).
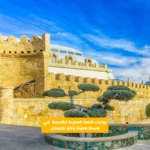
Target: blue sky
(114, 32)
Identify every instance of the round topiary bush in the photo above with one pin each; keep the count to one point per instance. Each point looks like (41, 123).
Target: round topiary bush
(118, 87)
(75, 113)
(88, 87)
(97, 113)
(72, 92)
(55, 92)
(97, 106)
(124, 95)
(57, 89)
(61, 106)
(108, 107)
(148, 110)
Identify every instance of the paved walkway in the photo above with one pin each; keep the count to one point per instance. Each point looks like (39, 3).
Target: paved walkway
(30, 138)
(22, 138)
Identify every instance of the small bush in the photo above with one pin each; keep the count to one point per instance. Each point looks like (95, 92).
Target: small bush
(54, 93)
(108, 107)
(97, 106)
(97, 113)
(45, 93)
(118, 87)
(148, 110)
(72, 92)
(101, 99)
(88, 87)
(57, 89)
(75, 113)
(61, 105)
(121, 95)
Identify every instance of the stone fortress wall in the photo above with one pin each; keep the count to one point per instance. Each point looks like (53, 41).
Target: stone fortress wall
(30, 111)
(23, 61)
(68, 82)
(26, 60)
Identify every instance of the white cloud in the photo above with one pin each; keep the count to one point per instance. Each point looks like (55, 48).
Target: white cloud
(122, 44)
(113, 58)
(67, 39)
(137, 73)
(137, 69)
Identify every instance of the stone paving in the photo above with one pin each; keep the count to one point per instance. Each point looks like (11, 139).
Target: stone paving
(30, 138)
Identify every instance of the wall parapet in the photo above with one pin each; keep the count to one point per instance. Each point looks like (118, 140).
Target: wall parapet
(72, 65)
(139, 88)
(24, 45)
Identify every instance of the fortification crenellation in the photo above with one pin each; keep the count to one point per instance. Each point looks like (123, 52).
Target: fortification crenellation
(22, 46)
(95, 81)
(79, 79)
(70, 78)
(104, 84)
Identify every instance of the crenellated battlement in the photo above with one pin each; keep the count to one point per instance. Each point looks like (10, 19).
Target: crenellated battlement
(74, 64)
(59, 80)
(24, 45)
(64, 77)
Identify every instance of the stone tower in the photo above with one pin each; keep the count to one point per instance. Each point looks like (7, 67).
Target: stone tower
(25, 60)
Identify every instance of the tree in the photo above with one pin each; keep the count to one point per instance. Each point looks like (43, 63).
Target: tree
(97, 110)
(56, 92)
(119, 92)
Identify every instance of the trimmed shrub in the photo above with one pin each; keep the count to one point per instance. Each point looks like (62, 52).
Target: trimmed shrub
(72, 92)
(97, 113)
(101, 99)
(61, 105)
(75, 113)
(148, 110)
(54, 93)
(121, 88)
(45, 93)
(97, 106)
(121, 95)
(118, 87)
(57, 89)
(108, 107)
(88, 87)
